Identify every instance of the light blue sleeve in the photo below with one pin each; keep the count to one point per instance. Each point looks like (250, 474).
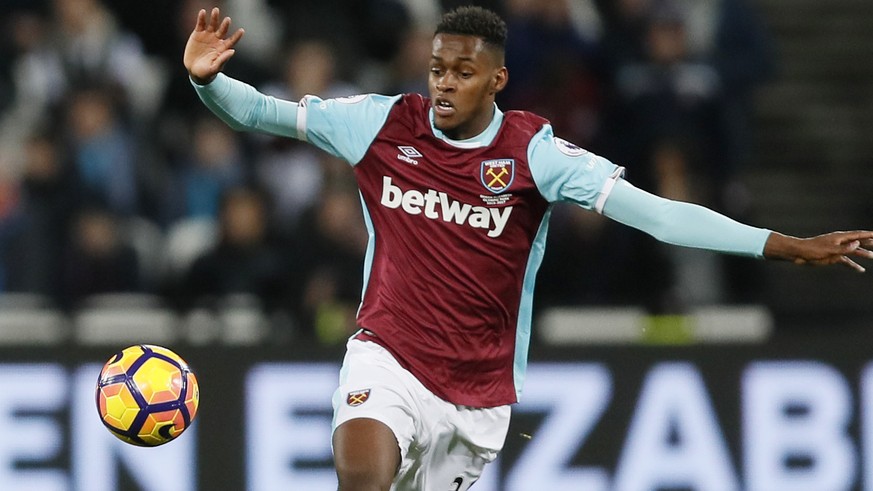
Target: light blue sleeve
(245, 109)
(684, 224)
(346, 126)
(565, 172)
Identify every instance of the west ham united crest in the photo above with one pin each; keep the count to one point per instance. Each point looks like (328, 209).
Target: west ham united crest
(497, 174)
(358, 397)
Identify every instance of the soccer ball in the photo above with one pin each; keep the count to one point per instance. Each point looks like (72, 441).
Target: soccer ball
(147, 395)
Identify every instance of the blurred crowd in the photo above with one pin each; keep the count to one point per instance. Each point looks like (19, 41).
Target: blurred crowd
(115, 178)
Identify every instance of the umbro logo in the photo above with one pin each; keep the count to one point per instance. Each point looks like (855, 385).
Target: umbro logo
(408, 154)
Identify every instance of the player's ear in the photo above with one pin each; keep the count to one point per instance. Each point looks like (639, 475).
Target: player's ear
(500, 79)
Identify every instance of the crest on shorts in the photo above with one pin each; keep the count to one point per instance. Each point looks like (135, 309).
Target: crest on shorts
(497, 174)
(357, 397)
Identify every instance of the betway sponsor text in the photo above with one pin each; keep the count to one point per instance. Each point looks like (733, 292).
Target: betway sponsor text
(437, 205)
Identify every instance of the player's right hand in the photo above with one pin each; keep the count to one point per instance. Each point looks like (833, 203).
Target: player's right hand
(209, 47)
(822, 250)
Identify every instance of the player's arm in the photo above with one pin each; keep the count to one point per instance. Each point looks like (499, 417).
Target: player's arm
(243, 108)
(238, 104)
(343, 127)
(683, 224)
(691, 225)
(564, 172)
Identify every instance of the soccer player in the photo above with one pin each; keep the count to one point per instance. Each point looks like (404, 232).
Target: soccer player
(456, 198)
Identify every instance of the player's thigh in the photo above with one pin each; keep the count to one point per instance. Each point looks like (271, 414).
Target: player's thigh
(374, 413)
(365, 451)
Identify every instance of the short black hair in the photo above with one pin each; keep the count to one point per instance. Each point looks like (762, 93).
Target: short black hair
(475, 21)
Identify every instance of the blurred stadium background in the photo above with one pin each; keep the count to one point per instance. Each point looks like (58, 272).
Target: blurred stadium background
(129, 214)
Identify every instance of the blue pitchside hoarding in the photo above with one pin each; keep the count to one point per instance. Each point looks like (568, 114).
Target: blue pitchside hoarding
(607, 418)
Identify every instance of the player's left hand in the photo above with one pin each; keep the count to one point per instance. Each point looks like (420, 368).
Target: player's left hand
(209, 47)
(833, 248)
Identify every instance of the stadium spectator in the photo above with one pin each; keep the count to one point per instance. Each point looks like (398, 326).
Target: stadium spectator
(409, 63)
(424, 13)
(557, 71)
(102, 149)
(32, 81)
(331, 244)
(92, 48)
(668, 95)
(666, 125)
(97, 260)
(724, 36)
(743, 56)
(623, 38)
(74, 43)
(310, 67)
(291, 172)
(555, 68)
(680, 119)
(244, 261)
(212, 164)
(8, 203)
(37, 228)
(338, 20)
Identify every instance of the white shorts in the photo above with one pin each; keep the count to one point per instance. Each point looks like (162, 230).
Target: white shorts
(443, 446)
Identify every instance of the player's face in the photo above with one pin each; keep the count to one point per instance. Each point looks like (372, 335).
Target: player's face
(465, 75)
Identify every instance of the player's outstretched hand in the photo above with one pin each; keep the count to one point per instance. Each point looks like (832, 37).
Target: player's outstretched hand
(832, 248)
(209, 47)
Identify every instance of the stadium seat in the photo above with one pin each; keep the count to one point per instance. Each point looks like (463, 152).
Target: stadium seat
(30, 319)
(573, 326)
(243, 321)
(234, 320)
(185, 241)
(147, 240)
(122, 319)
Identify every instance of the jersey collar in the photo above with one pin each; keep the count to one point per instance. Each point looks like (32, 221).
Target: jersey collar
(481, 140)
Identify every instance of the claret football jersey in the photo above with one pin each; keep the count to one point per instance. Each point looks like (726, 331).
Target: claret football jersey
(457, 232)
